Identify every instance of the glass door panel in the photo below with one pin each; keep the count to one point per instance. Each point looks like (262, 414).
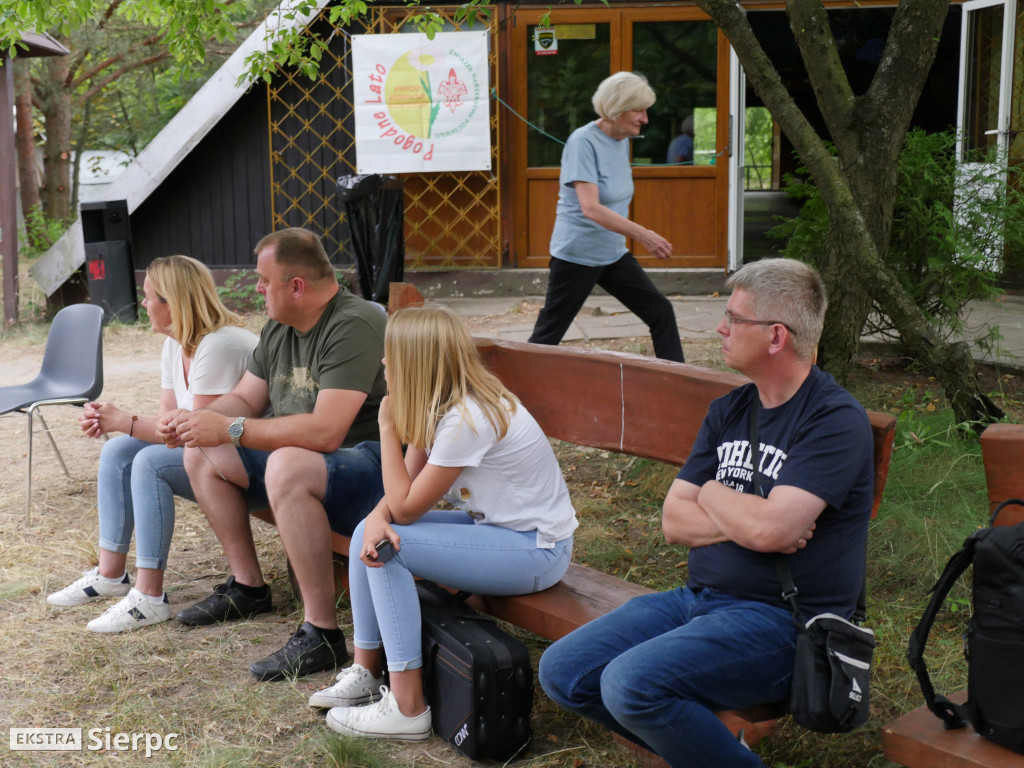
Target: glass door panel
(981, 86)
(560, 85)
(680, 60)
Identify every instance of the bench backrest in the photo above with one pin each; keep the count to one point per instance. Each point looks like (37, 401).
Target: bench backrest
(1002, 450)
(621, 402)
(628, 403)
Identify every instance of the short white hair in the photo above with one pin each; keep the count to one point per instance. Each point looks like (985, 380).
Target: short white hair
(620, 93)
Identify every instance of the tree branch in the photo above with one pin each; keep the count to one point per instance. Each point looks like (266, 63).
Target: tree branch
(809, 21)
(765, 80)
(131, 67)
(110, 61)
(907, 59)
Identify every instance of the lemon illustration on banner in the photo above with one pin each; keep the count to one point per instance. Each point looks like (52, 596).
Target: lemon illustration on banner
(408, 93)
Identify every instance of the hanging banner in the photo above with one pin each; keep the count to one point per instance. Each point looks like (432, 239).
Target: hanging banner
(421, 105)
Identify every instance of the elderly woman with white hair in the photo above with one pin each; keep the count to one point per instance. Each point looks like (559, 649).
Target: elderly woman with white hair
(588, 244)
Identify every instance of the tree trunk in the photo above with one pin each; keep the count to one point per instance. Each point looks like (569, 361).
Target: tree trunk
(57, 151)
(858, 188)
(840, 337)
(25, 146)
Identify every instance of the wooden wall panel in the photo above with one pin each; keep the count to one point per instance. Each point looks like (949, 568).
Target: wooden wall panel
(683, 211)
(542, 194)
(215, 205)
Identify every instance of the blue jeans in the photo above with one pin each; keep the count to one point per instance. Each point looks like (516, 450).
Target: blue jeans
(354, 483)
(446, 547)
(656, 669)
(135, 489)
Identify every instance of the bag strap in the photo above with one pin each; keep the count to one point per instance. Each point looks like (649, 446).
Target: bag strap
(454, 601)
(995, 514)
(789, 589)
(953, 715)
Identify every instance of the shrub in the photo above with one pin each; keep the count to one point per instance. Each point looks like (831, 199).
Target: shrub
(951, 236)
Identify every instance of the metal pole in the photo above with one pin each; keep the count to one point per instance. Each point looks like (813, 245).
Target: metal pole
(8, 192)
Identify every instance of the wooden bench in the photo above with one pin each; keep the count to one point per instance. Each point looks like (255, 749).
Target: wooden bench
(919, 739)
(628, 404)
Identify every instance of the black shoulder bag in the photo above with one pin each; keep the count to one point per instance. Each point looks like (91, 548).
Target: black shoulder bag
(832, 663)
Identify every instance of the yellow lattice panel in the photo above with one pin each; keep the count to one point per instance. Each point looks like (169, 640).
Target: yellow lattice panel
(451, 219)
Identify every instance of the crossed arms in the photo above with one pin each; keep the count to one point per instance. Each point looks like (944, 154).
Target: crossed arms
(712, 513)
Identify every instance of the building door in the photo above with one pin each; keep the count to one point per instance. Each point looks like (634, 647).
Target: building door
(986, 77)
(551, 80)
(983, 119)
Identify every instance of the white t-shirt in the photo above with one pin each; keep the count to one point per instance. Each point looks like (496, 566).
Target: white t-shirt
(514, 482)
(217, 365)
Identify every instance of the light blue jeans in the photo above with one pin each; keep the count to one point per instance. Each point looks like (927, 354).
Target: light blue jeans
(135, 490)
(656, 668)
(446, 547)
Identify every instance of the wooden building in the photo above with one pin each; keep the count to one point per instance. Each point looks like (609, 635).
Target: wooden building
(239, 161)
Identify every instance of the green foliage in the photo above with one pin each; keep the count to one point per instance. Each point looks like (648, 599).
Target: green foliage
(38, 232)
(951, 230)
(239, 293)
(757, 146)
(185, 25)
(289, 44)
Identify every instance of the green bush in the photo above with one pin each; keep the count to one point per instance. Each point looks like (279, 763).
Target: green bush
(38, 232)
(951, 235)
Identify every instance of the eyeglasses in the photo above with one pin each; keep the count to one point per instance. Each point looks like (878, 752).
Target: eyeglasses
(730, 318)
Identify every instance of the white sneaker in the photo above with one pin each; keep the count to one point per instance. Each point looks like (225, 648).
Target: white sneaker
(356, 686)
(90, 587)
(135, 611)
(382, 720)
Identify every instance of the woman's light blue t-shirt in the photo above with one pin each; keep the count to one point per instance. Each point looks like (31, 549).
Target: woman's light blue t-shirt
(592, 156)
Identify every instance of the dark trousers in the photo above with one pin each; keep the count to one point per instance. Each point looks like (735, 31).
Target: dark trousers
(570, 284)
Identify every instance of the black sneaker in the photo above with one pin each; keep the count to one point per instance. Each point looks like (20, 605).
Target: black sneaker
(227, 602)
(305, 653)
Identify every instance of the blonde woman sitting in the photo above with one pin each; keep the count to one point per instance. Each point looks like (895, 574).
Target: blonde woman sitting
(204, 355)
(471, 442)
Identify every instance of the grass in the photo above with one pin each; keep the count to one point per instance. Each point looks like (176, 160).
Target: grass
(193, 682)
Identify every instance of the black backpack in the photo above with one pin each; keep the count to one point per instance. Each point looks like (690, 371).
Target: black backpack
(994, 643)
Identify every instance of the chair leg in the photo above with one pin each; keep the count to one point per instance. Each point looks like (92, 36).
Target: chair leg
(28, 471)
(28, 474)
(53, 442)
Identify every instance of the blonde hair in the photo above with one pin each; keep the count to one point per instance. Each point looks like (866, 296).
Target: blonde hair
(786, 291)
(433, 366)
(186, 287)
(620, 93)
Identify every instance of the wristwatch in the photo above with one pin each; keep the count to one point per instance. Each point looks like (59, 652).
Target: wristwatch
(235, 431)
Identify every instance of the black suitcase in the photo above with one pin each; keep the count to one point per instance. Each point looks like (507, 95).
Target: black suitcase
(478, 679)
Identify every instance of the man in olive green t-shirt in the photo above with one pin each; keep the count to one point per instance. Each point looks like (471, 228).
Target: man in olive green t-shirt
(298, 432)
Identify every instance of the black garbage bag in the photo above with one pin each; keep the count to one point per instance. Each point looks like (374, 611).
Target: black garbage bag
(375, 208)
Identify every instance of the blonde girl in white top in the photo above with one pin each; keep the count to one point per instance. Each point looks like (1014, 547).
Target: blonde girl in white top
(471, 442)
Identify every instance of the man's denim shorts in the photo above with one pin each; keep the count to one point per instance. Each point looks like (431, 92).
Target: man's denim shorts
(354, 483)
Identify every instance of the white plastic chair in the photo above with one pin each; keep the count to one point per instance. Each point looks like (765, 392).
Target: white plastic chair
(72, 374)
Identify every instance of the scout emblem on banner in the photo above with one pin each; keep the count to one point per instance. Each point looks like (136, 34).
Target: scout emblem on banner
(421, 105)
(545, 43)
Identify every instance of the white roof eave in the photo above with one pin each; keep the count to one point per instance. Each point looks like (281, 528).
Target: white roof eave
(162, 155)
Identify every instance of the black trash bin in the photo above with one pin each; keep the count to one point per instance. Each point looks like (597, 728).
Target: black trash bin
(375, 209)
(108, 258)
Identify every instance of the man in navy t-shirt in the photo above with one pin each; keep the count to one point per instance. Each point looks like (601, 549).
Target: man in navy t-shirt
(656, 669)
